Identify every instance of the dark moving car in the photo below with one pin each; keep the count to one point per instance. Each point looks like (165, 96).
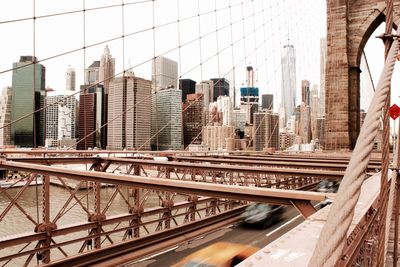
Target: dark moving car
(262, 215)
(327, 186)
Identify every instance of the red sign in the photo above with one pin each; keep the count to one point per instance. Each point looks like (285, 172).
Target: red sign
(394, 112)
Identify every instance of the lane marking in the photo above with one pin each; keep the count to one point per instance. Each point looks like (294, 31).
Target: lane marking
(282, 226)
(288, 222)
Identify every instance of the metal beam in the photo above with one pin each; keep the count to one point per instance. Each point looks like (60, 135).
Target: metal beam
(305, 208)
(227, 168)
(282, 162)
(276, 196)
(120, 249)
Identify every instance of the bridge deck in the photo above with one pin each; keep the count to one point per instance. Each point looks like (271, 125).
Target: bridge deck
(296, 246)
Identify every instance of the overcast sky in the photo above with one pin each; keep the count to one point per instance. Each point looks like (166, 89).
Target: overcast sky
(299, 22)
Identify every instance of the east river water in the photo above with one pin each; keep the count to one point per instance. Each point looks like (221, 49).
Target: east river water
(16, 223)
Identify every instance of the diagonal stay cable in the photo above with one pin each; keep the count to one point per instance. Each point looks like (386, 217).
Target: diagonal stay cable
(86, 87)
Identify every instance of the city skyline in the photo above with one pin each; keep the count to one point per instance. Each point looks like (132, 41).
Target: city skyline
(140, 48)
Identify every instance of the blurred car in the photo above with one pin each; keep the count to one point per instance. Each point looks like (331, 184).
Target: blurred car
(262, 215)
(223, 254)
(326, 202)
(326, 186)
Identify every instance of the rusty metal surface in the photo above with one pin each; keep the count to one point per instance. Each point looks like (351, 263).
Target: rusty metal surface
(217, 167)
(297, 158)
(286, 162)
(145, 243)
(187, 187)
(48, 233)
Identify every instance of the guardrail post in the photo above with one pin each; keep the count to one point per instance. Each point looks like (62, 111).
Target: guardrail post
(46, 226)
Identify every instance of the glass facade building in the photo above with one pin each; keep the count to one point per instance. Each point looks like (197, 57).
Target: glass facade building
(166, 119)
(220, 88)
(288, 96)
(28, 92)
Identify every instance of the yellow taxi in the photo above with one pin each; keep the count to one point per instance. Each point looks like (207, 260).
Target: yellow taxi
(222, 254)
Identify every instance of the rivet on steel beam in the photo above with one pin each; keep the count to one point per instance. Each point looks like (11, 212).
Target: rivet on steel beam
(249, 263)
(258, 257)
(266, 251)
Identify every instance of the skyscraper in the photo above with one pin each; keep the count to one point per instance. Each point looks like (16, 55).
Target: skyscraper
(288, 101)
(166, 119)
(305, 92)
(266, 130)
(267, 102)
(187, 86)
(130, 97)
(106, 69)
(225, 107)
(305, 124)
(220, 87)
(28, 90)
(315, 109)
(249, 98)
(164, 74)
(70, 79)
(60, 119)
(192, 119)
(204, 88)
(92, 73)
(5, 116)
(91, 118)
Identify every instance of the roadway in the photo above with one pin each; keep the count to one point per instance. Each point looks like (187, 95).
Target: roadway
(231, 233)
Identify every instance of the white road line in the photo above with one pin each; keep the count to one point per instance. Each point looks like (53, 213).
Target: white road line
(282, 226)
(286, 223)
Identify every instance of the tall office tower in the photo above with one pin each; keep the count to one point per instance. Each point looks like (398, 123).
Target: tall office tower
(106, 69)
(288, 60)
(5, 116)
(250, 76)
(204, 88)
(305, 124)
(92, 73)
(70, 79)
(28, 91)
(60, 120)
(249, 99)
(192, 119)
(320, 131)
(166, 119)
(187, 86)
(267, 102)
(129, 96)
(224, 106)
(220, 87)
(239, 119)
(266, 131)
(91, 117)
(315, 109)
(322, 65)
(164, 74)
(305, 92)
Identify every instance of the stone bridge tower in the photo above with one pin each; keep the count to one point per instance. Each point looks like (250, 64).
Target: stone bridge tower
(350, 25)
